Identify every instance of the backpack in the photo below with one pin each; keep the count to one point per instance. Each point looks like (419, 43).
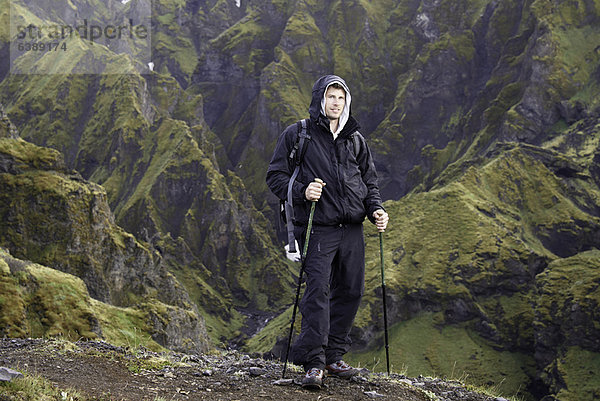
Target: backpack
(286, 207)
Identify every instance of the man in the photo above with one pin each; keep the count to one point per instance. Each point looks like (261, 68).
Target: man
(338, 173)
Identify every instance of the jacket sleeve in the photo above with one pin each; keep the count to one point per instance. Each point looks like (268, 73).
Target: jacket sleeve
(372, 201)
(280, 170)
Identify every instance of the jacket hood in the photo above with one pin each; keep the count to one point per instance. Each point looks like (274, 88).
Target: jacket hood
(317, 104)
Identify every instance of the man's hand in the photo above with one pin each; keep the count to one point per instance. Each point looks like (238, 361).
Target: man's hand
(314, 190)
(381, 219)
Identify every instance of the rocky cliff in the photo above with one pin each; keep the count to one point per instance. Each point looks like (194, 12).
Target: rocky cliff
(483, 118)
(52, 216)
(144, 139)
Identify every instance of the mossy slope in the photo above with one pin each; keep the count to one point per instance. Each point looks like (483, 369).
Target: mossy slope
(145, 140)
(50, 215)
(483, 256)
(38, 301)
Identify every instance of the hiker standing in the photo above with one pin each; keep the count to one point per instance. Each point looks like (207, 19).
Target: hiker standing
(337, 172)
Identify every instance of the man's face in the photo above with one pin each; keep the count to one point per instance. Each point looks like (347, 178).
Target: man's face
(335, 99)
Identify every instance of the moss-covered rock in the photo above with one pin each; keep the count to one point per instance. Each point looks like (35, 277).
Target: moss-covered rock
(489, 251)
(567, 325)
(38, 301)
(53, 217)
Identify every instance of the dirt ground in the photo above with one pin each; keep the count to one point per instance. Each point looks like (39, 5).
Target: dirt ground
(105, 372)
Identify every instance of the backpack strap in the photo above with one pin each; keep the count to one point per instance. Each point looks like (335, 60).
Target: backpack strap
(356, 141)
(296, 156)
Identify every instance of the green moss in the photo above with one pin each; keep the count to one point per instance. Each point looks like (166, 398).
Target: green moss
(437, 159)
(503, 21)
(444, 231)
(80, 57)
(173, 46)
(222, 324)
(579, 369)
(32, 387)
(59, 306)
(245, 40)
(508, 97)
(83, 116)
(211, 295)
(4, 269)
(462, 44)
(275, 330)
(419, 348)
(514, 318)
(578, 54)
(292, 103)
(189, 109)
(19, 15)
(569, 285)
(27, 155)
(570, 13)
(12, 305)
(157, 156)
(302, 24)
(578, 142)
(124, 326)
(575, 62)
(37, 301)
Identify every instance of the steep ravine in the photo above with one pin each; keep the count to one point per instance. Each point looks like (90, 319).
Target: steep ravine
(483, 118)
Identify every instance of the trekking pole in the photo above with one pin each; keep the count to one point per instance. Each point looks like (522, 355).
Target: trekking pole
(303, 258)
(385, 321)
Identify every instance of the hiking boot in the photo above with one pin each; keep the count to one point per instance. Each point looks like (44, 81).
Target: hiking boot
(341, 369)
(313, 379)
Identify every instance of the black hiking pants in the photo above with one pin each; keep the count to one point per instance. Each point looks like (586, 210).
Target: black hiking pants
(335, 276)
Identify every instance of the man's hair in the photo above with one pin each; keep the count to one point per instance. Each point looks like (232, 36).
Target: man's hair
(337, 85)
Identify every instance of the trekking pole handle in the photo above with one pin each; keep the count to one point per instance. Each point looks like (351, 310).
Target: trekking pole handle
(320, 181)
(314, 190)
(379, 214)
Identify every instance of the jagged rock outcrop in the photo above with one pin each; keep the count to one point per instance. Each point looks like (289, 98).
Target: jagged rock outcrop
(53, 217)
(566, 325)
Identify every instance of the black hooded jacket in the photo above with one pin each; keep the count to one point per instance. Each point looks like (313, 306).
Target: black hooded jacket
(351, 190)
